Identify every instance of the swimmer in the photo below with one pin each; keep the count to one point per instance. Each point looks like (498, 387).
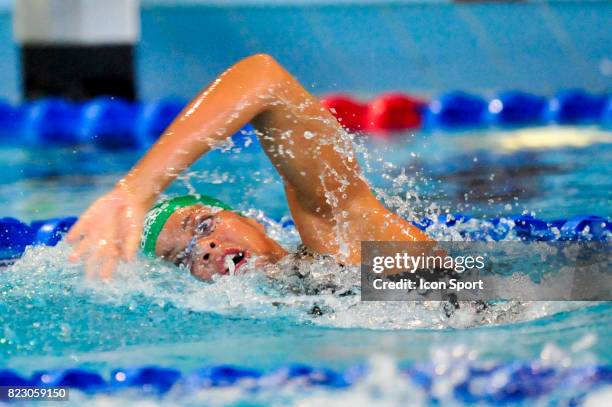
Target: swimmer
(330, 201)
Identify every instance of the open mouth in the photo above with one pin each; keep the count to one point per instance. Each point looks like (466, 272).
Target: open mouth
(233, 260)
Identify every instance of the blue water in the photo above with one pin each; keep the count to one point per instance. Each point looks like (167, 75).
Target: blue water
(53, 317)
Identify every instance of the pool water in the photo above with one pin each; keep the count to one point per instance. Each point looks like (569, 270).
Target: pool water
(151, 313)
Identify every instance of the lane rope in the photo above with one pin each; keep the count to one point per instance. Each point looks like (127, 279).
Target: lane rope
(524, 380)
(113, 123)
(16, 236)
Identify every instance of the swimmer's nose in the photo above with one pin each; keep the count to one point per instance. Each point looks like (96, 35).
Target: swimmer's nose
(209, 250)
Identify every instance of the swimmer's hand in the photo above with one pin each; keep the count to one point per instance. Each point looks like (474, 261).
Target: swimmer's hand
(109, 231)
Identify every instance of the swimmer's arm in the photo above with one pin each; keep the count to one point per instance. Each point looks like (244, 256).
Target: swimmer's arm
(306, 144)
(214, 115)
(110, 228)
(303, 140)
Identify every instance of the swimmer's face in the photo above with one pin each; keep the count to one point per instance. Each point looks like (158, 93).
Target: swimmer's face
(209, 241)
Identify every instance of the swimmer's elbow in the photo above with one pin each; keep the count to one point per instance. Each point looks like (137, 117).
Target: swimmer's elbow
(261, 59)
(266, 67)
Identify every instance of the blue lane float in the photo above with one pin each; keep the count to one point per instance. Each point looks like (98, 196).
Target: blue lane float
(515, 108)
(16, 236)
(105, 123)
(576, 107)
(10, 122)
(456, 110)
(109, 123)
(523, 381)
(50, 122)
(49, 232)
(154, 379)
(606, 115)
(78, 379)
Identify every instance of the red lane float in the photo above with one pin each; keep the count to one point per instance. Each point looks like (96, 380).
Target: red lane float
(387, 113)
(394, 112)
(350, 113)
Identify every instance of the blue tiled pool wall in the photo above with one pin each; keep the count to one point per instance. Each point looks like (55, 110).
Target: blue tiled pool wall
(426, 47)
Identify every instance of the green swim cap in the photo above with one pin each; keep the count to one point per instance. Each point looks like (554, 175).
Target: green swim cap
(159, 214)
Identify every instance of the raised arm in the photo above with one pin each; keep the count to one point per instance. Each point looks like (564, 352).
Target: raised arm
(110, 228)
(302, 139)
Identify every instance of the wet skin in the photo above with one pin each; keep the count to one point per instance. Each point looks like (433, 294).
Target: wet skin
(209, 241)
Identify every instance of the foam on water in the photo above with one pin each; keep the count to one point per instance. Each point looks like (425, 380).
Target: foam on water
(328, 297)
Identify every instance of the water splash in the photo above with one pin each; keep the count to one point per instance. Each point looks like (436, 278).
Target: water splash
(311, 291)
